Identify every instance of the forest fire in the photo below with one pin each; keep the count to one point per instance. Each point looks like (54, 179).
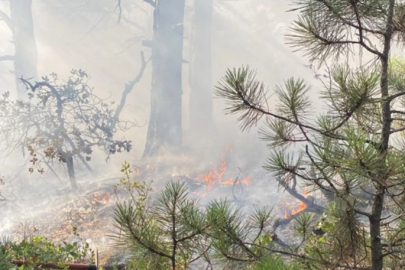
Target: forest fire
(295, 211)
(217, 174)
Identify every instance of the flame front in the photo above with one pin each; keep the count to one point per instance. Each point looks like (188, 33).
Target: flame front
(300, 208)
(217, 174)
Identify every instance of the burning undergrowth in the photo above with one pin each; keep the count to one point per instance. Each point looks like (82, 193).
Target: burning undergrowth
(87, 216)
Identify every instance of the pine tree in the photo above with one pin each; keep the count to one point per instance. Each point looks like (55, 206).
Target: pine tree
(162, 232)
(354, 152)
(171, 230)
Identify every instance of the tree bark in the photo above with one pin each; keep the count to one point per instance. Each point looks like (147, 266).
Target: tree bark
(201, 69)
(165, 122)
(25, 62)
(71, 172)
(377, 260)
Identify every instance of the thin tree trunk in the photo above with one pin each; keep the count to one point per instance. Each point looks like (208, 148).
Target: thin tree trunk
(25, 63)
(165, 122)
(375, 230)
(377, 260)
(71, 172)
(201, 70)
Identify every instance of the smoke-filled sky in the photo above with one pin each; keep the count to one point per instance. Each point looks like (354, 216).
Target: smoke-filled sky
(95, 36)
(106, 42)
(87, 35)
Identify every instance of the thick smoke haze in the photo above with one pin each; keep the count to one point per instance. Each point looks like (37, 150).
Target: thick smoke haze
(106, 41)
(87, 35)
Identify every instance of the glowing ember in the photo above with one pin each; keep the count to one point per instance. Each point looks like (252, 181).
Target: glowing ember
(286, 215)
(300, 208)
(217, 174)
(245, 180)
(228, 181)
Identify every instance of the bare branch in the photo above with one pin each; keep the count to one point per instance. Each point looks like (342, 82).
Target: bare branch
(7, 20)
(151, 2)
(394, 96)
(392, 131)
(346, 42)
(398, 112)
(7, 58)
(128, 88)
(119, 10)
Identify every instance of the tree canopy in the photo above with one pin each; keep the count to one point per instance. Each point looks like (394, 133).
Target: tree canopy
(352, 153)
(59, 121)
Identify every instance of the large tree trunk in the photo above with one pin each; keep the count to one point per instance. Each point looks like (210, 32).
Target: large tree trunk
(25, 62)
(165, 127)
(201, 70)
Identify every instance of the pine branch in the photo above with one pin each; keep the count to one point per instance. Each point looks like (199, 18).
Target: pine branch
(304, 257)
(244, 94)
(359, 26)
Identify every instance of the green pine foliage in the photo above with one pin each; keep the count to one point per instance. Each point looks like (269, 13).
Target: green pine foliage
(163, 233)
(170, 230)
(36, 251)
(353, 151)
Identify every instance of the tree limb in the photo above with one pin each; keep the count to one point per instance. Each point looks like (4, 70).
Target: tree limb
(333, 10)
(7, 20)
(119, 10)
(7, 58)
(128, 88)
(151, 2)
(296, 255)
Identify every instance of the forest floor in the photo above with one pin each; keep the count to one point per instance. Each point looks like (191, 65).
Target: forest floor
(87, 215)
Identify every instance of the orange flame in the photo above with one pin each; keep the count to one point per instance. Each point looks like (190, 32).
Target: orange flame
(245, 180)
(217, 174)
(227, 181)
(302, 206)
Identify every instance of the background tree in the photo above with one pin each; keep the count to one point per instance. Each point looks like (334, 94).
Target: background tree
(165, 121)
(352, 150)
(21, 24)
(62, 121)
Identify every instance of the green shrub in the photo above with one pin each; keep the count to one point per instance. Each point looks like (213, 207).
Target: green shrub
(38, 250)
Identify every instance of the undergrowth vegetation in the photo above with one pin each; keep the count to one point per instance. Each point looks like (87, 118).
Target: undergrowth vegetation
(37, 252)
(167, 230)
(171, 230)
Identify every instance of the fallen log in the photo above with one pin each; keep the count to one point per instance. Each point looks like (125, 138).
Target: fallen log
(71, 266)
